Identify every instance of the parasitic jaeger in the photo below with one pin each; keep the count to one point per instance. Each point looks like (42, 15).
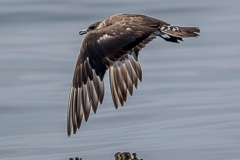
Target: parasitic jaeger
(114, 44)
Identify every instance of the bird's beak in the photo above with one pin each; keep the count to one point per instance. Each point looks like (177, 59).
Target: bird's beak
(83, 32)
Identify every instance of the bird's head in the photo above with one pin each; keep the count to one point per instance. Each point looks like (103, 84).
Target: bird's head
(90, 28)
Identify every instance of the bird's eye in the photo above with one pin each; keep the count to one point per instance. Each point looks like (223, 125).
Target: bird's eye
(92, 27)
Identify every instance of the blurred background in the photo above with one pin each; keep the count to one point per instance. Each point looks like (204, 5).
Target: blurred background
(187, 107)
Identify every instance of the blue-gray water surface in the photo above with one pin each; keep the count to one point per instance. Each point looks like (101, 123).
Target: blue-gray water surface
(186, 108)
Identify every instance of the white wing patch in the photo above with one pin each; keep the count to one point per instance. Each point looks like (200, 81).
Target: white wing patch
(128, 29)
(104, 37)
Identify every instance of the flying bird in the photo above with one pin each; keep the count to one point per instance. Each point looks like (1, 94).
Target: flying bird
(114, 44)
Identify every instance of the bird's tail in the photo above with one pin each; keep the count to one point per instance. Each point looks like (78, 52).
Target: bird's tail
(177, 33)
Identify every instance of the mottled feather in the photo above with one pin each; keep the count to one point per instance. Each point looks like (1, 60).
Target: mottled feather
(114, 44)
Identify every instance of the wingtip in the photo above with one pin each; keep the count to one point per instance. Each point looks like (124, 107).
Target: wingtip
(86, 117)
(69, 132)
(116, 105)
(95, 111)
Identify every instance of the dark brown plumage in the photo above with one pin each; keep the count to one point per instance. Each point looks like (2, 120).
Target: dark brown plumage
(114, 44)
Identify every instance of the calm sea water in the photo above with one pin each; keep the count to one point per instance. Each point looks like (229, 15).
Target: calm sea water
(187, 108)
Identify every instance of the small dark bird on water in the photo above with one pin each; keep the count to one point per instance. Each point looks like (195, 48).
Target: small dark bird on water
(114, 44)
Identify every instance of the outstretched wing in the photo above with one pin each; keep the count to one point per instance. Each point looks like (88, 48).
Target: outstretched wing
(102, 48)
(125, 73)
(86, 91)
